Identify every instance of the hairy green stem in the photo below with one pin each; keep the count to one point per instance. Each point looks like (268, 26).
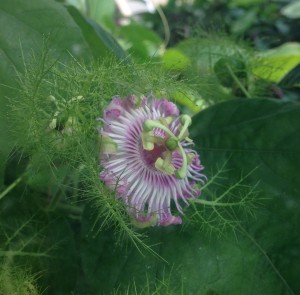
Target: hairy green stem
(70, 209)
(216, 203)
(237, 81)
(11, 186)
(165, 25)
(22, 253)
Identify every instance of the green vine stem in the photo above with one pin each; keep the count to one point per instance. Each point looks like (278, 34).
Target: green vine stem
(11, 186)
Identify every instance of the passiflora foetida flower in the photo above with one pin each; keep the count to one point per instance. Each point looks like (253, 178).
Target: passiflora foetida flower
(148, 159)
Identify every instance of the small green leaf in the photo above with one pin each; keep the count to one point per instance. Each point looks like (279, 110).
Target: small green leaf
(140, 41)
(175, 60)
(100, 41)
(189, 99)
(242, 24)
(275, 63)
(291, 10)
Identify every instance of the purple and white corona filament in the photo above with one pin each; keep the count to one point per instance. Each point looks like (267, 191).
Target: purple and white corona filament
(147, 158)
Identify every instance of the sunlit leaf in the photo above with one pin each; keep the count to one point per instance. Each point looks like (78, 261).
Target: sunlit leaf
(275, 63)
(175, 60)
(291, 10)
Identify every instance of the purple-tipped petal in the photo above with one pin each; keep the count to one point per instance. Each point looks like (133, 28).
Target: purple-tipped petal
(165, 221)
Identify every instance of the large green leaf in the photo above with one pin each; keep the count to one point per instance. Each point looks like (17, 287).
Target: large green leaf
(263, 257)
(194, 263)
(24, 28)
(253, 133)
(62, 269)
(264, 134)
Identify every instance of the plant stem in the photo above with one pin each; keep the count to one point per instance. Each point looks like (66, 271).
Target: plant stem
(237, 81)
(165, 25)
(216, 203)
(11, 187)
(70, 209)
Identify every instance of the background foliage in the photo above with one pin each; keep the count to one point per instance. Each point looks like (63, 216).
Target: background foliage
(233, 65)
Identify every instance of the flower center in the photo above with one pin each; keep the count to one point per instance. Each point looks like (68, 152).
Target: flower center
(150, 157)
(158, 150)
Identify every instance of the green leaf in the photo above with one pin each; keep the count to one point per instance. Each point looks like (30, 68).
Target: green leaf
(62, 268)
(193, 263)
(275, 63)
(101, 11)
(292, 78)
(256, 132)
(264, 134)
(141, 42)
(291, 10)
(242, 24)
(175, 60)
(204, 54)
(261, 258)
(24, 27)
(101, 42)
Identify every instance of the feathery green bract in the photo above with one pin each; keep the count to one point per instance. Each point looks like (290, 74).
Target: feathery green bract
(17, 281)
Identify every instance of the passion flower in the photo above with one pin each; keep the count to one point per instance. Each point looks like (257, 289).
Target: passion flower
(147, 158)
